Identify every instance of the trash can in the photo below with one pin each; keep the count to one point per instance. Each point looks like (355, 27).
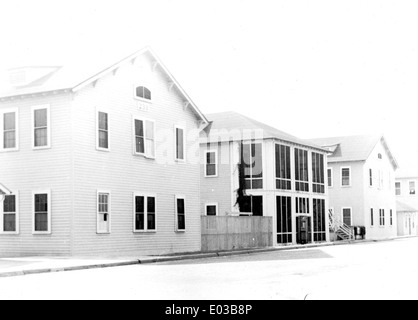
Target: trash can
(359, 232)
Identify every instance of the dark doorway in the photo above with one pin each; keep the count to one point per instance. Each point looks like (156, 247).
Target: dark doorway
(303, 230)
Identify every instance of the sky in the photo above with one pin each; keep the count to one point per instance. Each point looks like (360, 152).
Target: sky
(310, 68)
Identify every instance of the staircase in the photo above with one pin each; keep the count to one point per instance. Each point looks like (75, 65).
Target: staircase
(343, 231)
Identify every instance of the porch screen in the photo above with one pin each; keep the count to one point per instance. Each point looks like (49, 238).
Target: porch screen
(319, 220)
(284, 219)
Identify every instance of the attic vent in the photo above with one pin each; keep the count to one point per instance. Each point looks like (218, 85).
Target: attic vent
(380, 156)
(17, 78)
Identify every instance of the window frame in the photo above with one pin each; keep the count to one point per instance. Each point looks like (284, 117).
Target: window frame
(146, 154)
(381, 184)
(298, 170)
(371, 178)
(17, 129)
(216, 163)
(135, 87)
(318, 171)
(330, 177)
(410, 190)
(396, 188)
(287, 166)
(98, 111)
(184, 143)
(349, 177)
(48, 123)
(49, 213)
(382, 218)
(372, 224)
(180, 197)
(146, 196)
(303, 204)
(109, 211)
(17, 220)
(284, 227)
(351, 215)
(251, 197)
(251, 178)
(212, 204)
(391, 218)
(319, 219)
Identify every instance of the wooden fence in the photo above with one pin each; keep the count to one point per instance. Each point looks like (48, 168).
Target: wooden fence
(233, 233)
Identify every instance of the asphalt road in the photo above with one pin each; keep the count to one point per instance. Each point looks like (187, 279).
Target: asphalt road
(381, 270)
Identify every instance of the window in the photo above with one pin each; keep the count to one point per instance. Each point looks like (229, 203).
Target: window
(253, 165)
(211, 209)
(411, 187)
(283, 178)
(347, 216)
(318, 185)
(382, 217)
(320, 233)
(379, 156)
(102, 130)
(41, 127)
(391, 217)
(284, 219)
(143, 93)
(180, 144)
(103, 212)
(145, 213)
(211, 163)
(302, 205)
(398, 188)
(301, 170)
(181, 213)
(371, 177)
(381, 179)
(144, 131)
(253, 205)
(42, 212)
(9, 215)
(330, 177)
(345, 177)
(371, 217)
(9, 130)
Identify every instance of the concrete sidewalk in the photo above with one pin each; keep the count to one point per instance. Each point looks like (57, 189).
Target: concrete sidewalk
(10, 267)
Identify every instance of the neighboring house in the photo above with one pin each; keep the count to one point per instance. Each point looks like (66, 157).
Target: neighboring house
(249, 168)
(407, 219)
(407, 201)
(361, 175)
(101, 164)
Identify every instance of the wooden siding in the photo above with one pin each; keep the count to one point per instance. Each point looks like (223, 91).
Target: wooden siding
(122, 173)
(348, 196)
(28, 170)
(217, 189)
(234, 233)
(380, 198)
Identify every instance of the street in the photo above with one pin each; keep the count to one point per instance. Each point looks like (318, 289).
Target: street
(377, 270)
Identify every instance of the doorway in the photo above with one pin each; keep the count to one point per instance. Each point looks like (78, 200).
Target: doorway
(303, 230)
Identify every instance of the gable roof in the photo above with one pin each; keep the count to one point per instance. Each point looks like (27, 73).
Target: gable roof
(70, 78)
(353, 148)
(403, 207)
(404, 173)
(233, 126)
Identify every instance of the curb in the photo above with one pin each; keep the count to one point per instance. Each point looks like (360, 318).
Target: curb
(196, 256)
